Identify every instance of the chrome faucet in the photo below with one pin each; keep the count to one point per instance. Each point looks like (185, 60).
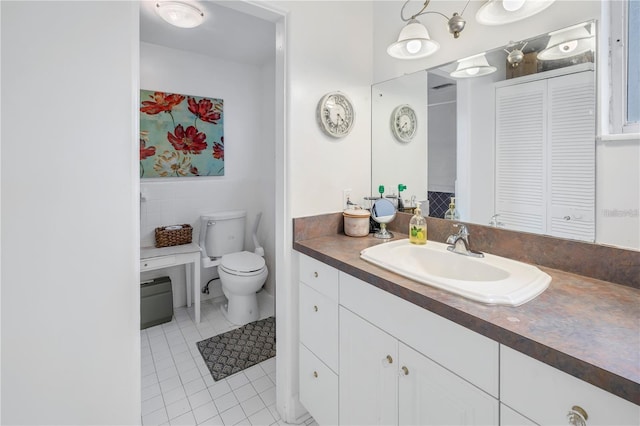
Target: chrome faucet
(495, 222)
(460, 242)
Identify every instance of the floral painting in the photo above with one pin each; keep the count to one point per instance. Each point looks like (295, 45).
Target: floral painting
(180, 135)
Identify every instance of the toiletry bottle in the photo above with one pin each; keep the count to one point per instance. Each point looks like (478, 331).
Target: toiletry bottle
(452, 213)
(401, 188)
(418, 227)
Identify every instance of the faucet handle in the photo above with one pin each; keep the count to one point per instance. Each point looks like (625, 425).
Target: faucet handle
(464, 231)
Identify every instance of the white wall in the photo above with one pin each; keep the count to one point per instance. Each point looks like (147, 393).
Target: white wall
(476, 155)
(248, 182)
(328, 48)
(617, 186)
(70, 292)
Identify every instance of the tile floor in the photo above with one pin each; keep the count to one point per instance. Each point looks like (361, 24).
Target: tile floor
(177, 387)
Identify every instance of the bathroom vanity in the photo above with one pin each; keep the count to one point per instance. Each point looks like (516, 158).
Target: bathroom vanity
(377, 348)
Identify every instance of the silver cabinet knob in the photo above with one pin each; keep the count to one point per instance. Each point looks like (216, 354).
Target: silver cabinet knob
(315, 374)
(315, 274)
(315, 308)
(577, 416)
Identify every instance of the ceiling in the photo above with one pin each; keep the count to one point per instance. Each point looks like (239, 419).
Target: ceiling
(225, 33)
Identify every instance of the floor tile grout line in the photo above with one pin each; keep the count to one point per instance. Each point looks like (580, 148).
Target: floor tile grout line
(165, 341)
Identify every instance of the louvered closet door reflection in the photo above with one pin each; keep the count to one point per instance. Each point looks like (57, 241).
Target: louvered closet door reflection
(571, 134)
(521, 127)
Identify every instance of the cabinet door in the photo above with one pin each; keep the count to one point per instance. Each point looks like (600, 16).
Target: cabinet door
(319, 325)
(572, 156)
(432, 395)
(368, 373)
(521, 126)
(318, 388)
(509, 417)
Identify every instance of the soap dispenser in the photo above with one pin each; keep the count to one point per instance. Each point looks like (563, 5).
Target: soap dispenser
(418, 227)
(452, 213)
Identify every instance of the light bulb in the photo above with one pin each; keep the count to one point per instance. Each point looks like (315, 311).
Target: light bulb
(181, 15)
(569, 46)
(512, 5)
(413, 46)
(472, 71)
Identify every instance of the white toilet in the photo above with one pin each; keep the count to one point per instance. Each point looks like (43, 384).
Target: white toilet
(242, 273)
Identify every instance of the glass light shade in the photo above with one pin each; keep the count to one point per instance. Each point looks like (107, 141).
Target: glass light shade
(413, 42)
(180, 14)
(500, 12)
(473, 66)
(568, 42)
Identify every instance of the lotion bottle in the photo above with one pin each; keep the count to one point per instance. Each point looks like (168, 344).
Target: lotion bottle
(418, 227)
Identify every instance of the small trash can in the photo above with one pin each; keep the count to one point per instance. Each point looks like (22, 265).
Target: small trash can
(156, 302)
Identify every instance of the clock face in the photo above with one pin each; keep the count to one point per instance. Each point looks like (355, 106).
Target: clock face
(404, 123)
(335, 114)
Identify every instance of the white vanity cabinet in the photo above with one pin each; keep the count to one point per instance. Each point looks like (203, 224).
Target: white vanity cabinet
(388, 370)
(368, 357)
(318, 310)
(385, 382)
(548, 396)
(509, 417)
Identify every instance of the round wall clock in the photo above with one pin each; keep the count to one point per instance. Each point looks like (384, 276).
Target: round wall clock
(335, 114)
(404, 123)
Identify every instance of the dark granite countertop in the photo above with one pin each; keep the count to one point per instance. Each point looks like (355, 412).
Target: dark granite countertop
(583, 326)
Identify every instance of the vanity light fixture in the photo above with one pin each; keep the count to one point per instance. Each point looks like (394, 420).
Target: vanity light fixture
(516, 55)
(500, 12)
(179, 14)
(414, 41)
(473, 66)
(568, 42)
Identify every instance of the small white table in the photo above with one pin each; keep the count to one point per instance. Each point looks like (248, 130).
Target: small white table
(186, 254)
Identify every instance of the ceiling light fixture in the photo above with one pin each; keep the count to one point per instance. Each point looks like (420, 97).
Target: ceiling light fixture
(473, 66)
(180, 14)
(500, 12)
(568, 42)
(414, 41)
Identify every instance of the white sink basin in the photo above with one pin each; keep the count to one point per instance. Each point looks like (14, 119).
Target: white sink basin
(492, 279)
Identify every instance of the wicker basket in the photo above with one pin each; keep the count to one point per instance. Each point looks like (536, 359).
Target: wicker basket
(173, 237)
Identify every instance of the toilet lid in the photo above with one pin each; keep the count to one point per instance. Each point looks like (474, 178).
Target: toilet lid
(243, 261)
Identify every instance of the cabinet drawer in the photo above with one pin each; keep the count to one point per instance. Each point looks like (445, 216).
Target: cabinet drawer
(156, 263)
(546, 395)
(318, 388)
(319, 325)
(319, 276)
(468, 354)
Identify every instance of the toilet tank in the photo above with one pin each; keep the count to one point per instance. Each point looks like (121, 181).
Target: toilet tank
(224, 232)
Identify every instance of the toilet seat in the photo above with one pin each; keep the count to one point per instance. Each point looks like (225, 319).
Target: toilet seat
(242, 263)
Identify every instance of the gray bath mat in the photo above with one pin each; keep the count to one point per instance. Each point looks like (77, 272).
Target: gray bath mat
(235, 350)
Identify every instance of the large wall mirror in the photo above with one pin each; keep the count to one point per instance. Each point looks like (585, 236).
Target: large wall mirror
(508, 132)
